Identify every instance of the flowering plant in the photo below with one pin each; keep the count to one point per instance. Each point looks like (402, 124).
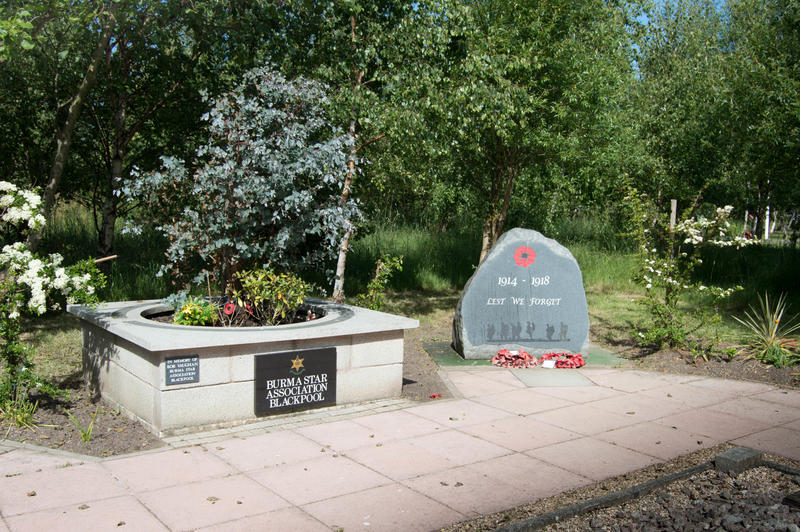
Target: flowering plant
(28, 283)
(667, 257)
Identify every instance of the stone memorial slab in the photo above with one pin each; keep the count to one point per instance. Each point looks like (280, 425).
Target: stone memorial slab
(182, 370)
(527, 294)
(295, 380)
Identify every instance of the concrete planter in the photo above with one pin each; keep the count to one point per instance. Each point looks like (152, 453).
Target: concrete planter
(132, 361)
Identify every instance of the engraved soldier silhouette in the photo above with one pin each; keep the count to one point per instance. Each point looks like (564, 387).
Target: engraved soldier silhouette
(503, 331)
(562, 333)
(550, 331)
(490, 330)
(530, 328)
(516, 329)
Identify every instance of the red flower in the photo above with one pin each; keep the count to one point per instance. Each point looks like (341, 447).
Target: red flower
(524, 256)
(229, 308)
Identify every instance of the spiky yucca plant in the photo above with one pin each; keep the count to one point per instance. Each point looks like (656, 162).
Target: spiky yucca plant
(770, 336)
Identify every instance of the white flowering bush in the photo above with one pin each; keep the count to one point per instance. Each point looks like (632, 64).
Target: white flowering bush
(30, 284)
(666, 260)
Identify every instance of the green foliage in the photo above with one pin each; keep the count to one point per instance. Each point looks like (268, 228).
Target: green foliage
(18, 411)
(769, 335)
(270, 298)
(667, 258)
(265, 187)
(384, 269)
(196, 311)
(85, 432)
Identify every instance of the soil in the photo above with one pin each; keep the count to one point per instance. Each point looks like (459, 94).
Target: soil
(114, 434)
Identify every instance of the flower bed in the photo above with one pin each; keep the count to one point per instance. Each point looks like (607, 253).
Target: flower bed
(176, 378)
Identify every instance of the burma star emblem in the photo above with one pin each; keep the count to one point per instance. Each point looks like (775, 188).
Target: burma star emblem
(297, 366)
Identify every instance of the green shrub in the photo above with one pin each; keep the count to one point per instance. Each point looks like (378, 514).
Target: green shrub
(269, 297)
(196, 311)
(770, 336)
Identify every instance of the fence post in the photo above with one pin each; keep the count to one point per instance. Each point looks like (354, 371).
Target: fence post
(673, 213)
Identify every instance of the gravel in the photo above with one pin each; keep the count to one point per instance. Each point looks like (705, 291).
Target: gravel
(708, 500)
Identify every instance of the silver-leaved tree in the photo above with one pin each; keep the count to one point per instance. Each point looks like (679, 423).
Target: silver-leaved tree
(264, 189)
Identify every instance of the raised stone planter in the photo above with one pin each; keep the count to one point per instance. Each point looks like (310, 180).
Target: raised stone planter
(177, 379)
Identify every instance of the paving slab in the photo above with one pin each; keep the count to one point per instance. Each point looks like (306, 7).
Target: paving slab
(119, 513)
(541, 377)
(457, 412)
(459, 447)
(579, 394)
(778, 440)
(470, 385)
(714, 424)
(584, 419)
(691, 396)
(265, 450)
(389, 508)
(627, 381)
(657, 440)
(754, 408)
(465, 490)
(210, 502)
(733, 386)
(170, 468)
(593, 458)
(283, 520)
(523, 402)
(784, 397)
(520, 433)
(53, 488)
(639, 407)
(400, 460)
(397, 425)
(319, 479)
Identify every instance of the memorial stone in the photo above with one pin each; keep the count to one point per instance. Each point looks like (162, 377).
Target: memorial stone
(527, 294)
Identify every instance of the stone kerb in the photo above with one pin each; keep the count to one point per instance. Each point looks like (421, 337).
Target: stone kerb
(177, 379)
(527, 294)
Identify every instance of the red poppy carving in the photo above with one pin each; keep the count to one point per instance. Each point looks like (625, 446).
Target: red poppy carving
(524, 256)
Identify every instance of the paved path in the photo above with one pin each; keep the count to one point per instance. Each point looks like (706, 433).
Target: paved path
(507, 440)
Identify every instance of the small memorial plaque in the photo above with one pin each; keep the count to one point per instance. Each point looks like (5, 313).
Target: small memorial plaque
(182, 370)
(527, 294)
(295, 380)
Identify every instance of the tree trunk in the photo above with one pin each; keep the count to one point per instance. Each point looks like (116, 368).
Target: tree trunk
(64, 138)
(344, 246)
(499, 200)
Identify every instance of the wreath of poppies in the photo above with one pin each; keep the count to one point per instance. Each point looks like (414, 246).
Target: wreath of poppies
(521, 359)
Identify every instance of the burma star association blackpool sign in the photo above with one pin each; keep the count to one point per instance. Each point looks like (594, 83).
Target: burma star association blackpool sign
(295, 380)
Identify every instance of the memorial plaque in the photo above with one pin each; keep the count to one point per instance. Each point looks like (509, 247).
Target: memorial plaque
(527, 294)
(182, 370)
(295, 380)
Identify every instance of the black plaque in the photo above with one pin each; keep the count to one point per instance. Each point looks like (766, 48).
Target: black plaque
(295, 380)
(182, 370)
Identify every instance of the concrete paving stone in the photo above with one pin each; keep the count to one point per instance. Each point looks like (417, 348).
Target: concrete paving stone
(52, 488)
(210, 502)
(153, 471)
(457, 412)
(714, 424)
(784, 397)
(20, 461)
(774, 413)
(3, 527)
(467, 491)
(657, 440)
(639, 407)
(584, 419)
(290, 519)
(504, 375)
(588, 371)
(458, 447)
(520, 433)
(339, 435)
(400, 460)
(321, 478)
(778, 440)
(592, 458)
(397, 425)
(119, 513)
(579, 394)
(628, 381)
(385, 508)
(545, 378)
(692, 396)
(794, 425)
(471, 385)
(532, 479)
(523, 402)
(731, 386)
(266, 450)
